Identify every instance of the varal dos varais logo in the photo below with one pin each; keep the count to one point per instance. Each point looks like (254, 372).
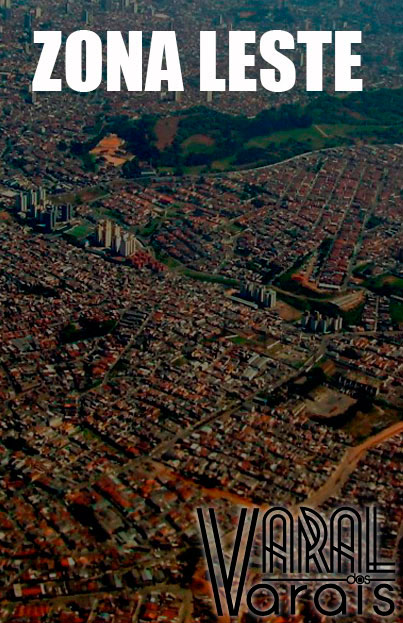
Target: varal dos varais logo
(335, 555)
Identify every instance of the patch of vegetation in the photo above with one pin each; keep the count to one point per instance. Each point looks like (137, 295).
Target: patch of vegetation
(138, 134)
(86, 329)
(396, 312)
(302, 304)
(305, 384)
(363, 270)
(374, 221)
(353, 316)
(150, 228)
(131, 168)
(89, 162)
(39, 289)
(80, 232)
(365, 420)
(385, 285)
(85, 515)
(238, 340)
(383, 106)
(194, 274)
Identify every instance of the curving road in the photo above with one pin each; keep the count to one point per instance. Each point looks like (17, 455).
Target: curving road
(348, 464)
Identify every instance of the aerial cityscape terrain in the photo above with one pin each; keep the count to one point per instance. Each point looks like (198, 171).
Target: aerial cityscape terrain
(201, 302)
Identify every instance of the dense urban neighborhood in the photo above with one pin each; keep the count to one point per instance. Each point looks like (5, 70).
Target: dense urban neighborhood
(201, 303)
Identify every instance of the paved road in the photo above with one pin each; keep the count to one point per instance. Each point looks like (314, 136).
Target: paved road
(348, 464)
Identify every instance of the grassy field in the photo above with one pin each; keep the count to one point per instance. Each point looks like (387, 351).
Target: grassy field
(80, 231)
(238, 340)
(87, 195)
(317, 135)
(304, 134)
(224, 164)
(314, 138)
(386, 285)
(396, 312)
(150, 228)
(198, 143)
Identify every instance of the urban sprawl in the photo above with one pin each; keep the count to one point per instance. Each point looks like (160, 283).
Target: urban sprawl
(192, 333)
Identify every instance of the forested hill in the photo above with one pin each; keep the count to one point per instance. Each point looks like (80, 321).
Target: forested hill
(209, 139)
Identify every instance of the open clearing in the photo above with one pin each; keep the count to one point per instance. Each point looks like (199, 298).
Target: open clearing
(328, 403)
(165, 131)
(111, 149)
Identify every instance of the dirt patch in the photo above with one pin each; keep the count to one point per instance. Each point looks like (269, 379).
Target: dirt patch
(328, 403)
(165, 131)
(111, 149)
(356, 115)
(365, 424)
(288, 313)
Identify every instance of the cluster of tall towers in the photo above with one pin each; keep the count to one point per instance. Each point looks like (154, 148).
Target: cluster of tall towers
(105, 5)
(123, 5)
(111, 236)
(259, 294)
(35, 206)
(316, 323)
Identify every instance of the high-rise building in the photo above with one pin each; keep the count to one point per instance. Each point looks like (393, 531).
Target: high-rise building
(41, 194)
(104, 233)
(32, 202)
(338, 323)
(316, 323)
(22, 203)
(272, 298)
(258, 294)
(116, 243)
(100, 232)
(49, 218)
(110, 236)
(116, 237)
(128, 245)
(323, 325)
(33, 197)
(66, 212)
